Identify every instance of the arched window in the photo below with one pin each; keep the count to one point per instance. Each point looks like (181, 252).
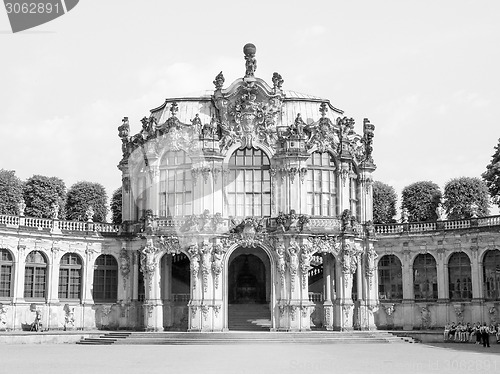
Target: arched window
(70, 277)
(321, 186)
(390, 282)
(425, 277)
(105, 287)
(491, 275)
(249, 186)
(6, 266)
(176, 192)
(460, 284)
(35, 276)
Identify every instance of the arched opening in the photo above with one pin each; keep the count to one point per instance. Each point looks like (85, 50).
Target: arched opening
(491, 275)
(105, 285)
(321, 283)
(175, 289)
(35, 276)
(459, 277)
(70, 277)
(425, 286)
(6, 272)
(249, 290)
(390, 278)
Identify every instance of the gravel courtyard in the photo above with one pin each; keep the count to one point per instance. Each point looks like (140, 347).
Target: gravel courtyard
(243, 359)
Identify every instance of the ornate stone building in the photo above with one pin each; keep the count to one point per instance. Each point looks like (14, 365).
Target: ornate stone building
(256, 190)
(248, 203)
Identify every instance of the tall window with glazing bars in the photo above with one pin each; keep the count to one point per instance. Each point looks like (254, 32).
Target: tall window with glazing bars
(321, 186)
(248, 185)
(176, 193)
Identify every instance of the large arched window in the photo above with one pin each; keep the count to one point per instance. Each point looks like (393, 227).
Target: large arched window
(321, 186)
(70, 277)
(35, 276)
(390, 282)
(491, 275)
(6, 266)
(460, 284)
(176, 193)
(249, 185)
(105, 287)
(425, 277)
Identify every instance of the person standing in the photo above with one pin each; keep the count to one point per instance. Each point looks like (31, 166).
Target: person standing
(485, 335)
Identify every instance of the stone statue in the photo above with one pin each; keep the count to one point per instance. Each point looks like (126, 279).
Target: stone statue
(219, 81)
(89, 214)
(55, 211)
(124, 262)
(69, 317)
(277, 81)
(404, 215)
(250, 61)
(440, 212)
(21, 206)
(3, 317)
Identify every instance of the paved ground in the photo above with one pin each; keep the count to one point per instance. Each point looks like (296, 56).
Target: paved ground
(242, 359)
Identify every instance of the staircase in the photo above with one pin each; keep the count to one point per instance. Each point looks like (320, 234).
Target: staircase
(235, 337)
(249, 317)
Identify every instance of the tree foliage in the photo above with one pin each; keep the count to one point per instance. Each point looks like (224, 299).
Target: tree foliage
(11, 192)
(421, 199)
(384, 203)
(465, 197)
(116, 206)
(492, 175)
(41, 193)
(83, 195)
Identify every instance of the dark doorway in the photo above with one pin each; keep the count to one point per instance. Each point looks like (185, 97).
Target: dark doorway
(247, 280)
(249, 290)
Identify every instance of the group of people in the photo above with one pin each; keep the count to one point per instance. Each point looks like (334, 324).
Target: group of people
(467, 332)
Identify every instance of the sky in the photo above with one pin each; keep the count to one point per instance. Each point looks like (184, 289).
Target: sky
(424, 72)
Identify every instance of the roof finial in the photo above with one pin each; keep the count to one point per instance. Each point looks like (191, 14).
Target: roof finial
(251, 63)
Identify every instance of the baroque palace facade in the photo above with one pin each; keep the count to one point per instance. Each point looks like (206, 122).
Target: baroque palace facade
(249, 199)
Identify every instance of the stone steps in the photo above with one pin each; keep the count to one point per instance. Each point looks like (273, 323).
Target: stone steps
(249, 317)
(223, 338)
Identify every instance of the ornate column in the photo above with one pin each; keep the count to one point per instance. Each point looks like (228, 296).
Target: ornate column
(153, 307)
(166, 278)
(195, 304)
(327, 303)
(349, 258)
(370, 283)
(408, 297)
(294, 296)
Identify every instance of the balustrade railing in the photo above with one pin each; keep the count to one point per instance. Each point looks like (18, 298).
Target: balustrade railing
(316, 297)
(181, 297)
(56, 225)
(420, 227)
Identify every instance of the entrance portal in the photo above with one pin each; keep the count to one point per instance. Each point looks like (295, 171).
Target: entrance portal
(249, 285)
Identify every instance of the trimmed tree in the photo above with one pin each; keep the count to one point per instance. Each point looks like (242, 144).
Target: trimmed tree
(116, 206)
(492, 176)
(11, 192)
(384, 203)
(465, 197)
(421, 199)
(41, 194)
(83, 195)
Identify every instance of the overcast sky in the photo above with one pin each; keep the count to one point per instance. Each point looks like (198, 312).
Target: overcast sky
(426, 74)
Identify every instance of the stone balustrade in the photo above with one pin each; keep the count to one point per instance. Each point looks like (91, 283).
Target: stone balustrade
(56, 225)
(422, 227)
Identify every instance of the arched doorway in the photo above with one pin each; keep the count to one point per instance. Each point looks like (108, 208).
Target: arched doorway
(249, 290)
